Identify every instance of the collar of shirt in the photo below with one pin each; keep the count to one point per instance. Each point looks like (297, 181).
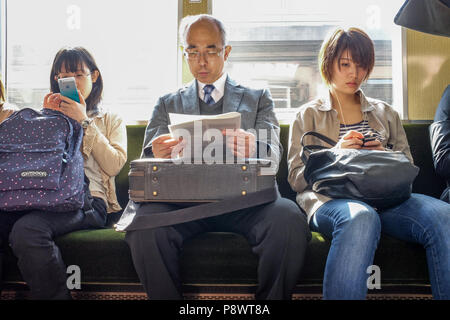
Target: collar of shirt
(219, 88)
(365, 104)
(99, 113)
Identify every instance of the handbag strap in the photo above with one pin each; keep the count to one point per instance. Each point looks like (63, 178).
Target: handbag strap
(211, 209)
(314, 147)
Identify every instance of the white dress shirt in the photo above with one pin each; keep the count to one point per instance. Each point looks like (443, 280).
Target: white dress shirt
(219, 88)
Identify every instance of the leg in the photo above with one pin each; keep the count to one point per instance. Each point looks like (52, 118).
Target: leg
(279, 234)
(424, 220)
(7, 220)
(39, 259)
(155, 253)
(354, 228)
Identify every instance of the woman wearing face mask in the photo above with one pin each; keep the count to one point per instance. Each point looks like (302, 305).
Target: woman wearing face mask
(104, 151)
(346, 115)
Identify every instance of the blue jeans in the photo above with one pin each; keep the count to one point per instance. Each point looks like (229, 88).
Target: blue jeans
(355, 228)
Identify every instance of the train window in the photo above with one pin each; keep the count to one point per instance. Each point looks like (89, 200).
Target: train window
(134, 44)
(276, 44)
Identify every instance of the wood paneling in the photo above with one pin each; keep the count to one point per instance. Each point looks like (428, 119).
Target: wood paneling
(428, 71)
(189, 9)
(193, 8)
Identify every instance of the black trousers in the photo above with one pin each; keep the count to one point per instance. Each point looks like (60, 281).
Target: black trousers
(277, 232)
(31, 236)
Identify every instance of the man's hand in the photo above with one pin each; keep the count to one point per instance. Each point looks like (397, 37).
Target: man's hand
(165, 146)
(240, 142)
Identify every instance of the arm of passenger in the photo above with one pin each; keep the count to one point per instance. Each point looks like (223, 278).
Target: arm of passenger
(296, 167)
(157, 126)
(109, 151)
(6, 110)
(440, 136)
(398, 140)
(440, 146)
(267, 130)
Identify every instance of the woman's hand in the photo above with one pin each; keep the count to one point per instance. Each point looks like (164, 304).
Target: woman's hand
(73, 109)
(373, 145)
(52, 101)
(351, 140)
(69, 107)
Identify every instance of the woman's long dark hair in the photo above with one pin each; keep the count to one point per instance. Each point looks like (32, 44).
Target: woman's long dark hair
(72, 58)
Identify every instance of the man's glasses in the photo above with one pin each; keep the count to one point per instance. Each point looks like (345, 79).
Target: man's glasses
(193, 55)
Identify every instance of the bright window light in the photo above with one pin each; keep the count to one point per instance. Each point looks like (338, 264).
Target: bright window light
(276, 44)
(134, 44)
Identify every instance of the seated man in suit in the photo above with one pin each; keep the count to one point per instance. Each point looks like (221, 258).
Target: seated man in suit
(440, 141)
(277, 231)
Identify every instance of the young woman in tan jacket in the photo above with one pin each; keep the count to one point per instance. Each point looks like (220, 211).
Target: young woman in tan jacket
(346, 115)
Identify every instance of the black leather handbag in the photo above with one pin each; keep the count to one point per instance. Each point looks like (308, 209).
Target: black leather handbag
(381, 179)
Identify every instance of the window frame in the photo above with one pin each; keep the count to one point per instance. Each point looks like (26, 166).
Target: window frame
(399, 69)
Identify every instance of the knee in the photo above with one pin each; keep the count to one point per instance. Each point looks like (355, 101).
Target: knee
(433, 215)
(26, 234)
(149, 238)
(287, 219)
(362, 221)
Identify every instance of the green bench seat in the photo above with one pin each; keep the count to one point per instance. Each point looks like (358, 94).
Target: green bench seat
(223, 262)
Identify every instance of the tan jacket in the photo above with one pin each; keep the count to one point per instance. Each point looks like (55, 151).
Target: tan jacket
(105, 139)
(318, 115)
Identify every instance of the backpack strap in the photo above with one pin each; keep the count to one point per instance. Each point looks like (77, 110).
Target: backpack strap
(88, 199)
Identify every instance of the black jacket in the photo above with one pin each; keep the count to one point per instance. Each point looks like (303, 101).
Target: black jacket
(440, 140)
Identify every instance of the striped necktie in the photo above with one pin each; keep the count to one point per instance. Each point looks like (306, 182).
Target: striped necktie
(208, 89)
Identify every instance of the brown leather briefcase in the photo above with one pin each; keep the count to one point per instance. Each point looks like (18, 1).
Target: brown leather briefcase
(216, 188)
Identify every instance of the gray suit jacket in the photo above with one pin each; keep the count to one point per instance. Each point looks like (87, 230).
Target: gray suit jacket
(255, 107)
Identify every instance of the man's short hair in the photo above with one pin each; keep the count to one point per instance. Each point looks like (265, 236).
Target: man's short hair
(188, 21)
(356, 41)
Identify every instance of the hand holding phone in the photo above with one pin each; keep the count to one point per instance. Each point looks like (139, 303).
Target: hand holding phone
(368, 138)
(68, 88)
(72, 102)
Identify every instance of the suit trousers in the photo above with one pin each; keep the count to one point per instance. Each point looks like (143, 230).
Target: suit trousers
(31, 236)
(277, 232)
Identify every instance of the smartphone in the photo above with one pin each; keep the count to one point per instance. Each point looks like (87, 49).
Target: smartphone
(68, 88)
(368, 138)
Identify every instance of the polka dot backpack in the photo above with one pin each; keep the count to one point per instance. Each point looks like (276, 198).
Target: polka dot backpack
(41, 165)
